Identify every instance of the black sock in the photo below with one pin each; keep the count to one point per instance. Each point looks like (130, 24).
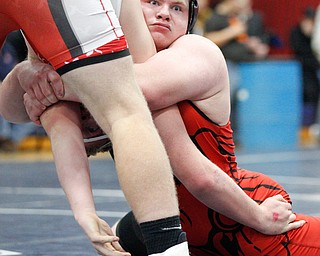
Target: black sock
(159, 235)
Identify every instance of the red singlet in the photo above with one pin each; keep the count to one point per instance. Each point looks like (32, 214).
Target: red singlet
(65, 31)
(210, 233)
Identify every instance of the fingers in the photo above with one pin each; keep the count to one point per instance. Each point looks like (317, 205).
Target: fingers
(295, 225)
(56, 84)
(117, 246)
(109, 252)
(106, 252)
(46, 86)
(104, 239)
(292, 218)
(280, 198)
(45, 93)
(109, 246)
(33, 108)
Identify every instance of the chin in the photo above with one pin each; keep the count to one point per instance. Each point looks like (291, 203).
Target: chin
(162, 43)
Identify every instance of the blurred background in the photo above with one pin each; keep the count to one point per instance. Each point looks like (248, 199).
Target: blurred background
(273, 69)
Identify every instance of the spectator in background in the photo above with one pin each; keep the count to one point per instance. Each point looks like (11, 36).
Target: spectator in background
(240, 33)
(13, 52)
(204, 12)
(300, 40)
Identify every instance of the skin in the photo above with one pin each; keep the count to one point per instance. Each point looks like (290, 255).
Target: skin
(168, 84)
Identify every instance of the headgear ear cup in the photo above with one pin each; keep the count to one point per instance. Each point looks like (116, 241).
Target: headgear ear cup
(193, 14)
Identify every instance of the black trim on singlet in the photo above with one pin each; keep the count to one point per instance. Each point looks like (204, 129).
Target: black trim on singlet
(202, 114)
(63, 25)
(92, 60)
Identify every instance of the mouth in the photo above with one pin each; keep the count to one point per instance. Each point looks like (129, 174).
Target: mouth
(161, 26)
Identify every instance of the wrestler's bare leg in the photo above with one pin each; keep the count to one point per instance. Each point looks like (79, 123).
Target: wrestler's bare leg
(110, 93)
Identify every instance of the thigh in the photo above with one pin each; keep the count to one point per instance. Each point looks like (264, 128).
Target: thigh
(259, 186)
(301, 241)
(109, 91)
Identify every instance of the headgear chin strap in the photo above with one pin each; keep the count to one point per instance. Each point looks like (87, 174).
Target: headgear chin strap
(193, 14)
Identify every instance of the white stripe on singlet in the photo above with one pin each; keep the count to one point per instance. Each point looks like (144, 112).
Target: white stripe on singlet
(102, 22)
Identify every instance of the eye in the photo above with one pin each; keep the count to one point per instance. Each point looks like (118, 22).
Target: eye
(154, 2)
(177, 8)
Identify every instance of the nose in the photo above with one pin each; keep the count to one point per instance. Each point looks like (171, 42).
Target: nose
(164, 13)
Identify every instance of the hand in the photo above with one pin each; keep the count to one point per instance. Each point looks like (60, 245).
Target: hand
(278, 217)
(101, 236)
(33, 108)
(41, 82)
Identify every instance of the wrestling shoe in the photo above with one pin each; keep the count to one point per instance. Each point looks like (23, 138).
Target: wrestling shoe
(180, 249)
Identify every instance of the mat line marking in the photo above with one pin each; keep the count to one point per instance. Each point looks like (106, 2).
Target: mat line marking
(56, 191)
(289, 156)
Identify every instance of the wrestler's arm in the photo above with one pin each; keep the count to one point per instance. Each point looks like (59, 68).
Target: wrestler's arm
(63, 124)
(137, 34)
(166, 80)
(174, 72)
(43, 85)
(11, 98)
(213, 187)
(58, 120)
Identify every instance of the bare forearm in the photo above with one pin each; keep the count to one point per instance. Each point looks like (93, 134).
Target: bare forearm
(62, 125)
(212, 186)
(206, 181)
(221, 193)
(140, 42)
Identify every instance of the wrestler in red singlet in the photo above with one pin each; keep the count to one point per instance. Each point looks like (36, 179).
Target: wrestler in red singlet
(74, 32)
(210, 233)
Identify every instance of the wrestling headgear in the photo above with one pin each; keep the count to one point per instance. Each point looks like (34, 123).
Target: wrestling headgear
(193, 14)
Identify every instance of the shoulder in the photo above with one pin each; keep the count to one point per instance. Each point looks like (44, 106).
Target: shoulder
(204, 61)
(198, 47)
(195, 42)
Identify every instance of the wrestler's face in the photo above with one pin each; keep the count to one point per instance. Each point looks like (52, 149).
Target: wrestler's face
(167, 20)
